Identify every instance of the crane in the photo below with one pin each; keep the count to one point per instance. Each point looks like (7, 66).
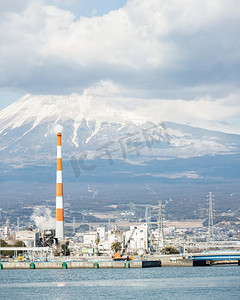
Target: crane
(118, 256)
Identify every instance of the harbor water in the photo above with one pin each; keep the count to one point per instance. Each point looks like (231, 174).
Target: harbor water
(215, 282)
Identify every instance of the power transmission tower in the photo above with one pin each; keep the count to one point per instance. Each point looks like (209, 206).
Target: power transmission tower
(161, 238)
(210, 217)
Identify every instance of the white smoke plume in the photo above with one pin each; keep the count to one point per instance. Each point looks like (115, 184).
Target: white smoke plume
(57, 128)
(42, 216)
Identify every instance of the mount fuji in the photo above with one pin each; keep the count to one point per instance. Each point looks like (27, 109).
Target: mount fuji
(109, 145)
(99, 129)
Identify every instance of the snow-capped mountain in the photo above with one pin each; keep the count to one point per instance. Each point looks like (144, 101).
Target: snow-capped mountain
(98, 129)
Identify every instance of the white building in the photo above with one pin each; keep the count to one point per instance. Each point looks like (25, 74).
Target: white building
(104, 246)
(89, 238)
(29, 237)
(102, 233)
(167, 231)
(114, 235)
(6, 231)
(136, 239)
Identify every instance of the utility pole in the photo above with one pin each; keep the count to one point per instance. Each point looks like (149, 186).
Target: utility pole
(73, 226)
(147, 214)
(18, 224)
(161, 238)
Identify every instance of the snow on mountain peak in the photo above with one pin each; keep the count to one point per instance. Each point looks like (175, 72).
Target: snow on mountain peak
(62, 108)
(89, 122)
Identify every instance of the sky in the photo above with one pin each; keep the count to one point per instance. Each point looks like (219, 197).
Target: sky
(179, 54)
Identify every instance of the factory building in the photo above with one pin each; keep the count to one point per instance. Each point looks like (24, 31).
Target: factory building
(90, 238)
(102, 234)
(114, 235)
(29, 237)
(136, 238)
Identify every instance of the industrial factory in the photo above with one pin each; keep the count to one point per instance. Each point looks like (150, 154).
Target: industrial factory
(122, 241)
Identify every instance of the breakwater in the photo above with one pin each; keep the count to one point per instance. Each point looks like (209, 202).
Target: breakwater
(95, 264)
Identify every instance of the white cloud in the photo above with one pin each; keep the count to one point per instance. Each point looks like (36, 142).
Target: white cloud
(15, 6)
(203, 112)
(107, 101)
(145, 43)
(206, 112)
(149, 49)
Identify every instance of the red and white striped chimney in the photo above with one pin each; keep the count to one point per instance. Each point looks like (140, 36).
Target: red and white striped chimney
(59, 192)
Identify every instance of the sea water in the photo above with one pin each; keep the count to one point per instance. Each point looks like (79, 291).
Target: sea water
(215, 282)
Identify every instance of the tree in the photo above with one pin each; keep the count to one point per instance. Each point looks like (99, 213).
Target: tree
(170, 250)
(116, 246)
(19, 244)
(10, 253)
(3, 243)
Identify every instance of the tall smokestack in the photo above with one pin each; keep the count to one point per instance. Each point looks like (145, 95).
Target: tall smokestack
(59, 191)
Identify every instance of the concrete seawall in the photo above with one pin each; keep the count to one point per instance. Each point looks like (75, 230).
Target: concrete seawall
(96, 264)
(177, 263)
(71, 265)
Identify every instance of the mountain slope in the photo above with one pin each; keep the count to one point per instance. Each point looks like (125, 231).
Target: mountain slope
(179, 162)
(97, 129)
